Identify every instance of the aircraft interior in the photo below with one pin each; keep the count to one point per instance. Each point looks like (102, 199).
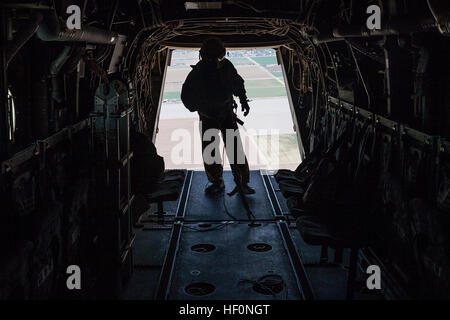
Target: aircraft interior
(357, 211)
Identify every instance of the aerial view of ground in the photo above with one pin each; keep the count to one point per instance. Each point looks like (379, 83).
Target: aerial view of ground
(268, 134)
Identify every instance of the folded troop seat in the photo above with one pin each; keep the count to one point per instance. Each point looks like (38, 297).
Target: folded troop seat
(341, 232)
(168, 189)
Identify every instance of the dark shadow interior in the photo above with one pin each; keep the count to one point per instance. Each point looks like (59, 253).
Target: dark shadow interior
(364, 215)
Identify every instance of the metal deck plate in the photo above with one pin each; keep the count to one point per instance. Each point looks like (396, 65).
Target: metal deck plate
(231, 262)
(202, 207)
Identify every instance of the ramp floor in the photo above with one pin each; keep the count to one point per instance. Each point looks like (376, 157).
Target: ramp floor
(199, 252)
(209, 208)
(231, 267)
(220, 255)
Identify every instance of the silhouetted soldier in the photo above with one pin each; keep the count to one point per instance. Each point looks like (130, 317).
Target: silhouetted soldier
(209, 90)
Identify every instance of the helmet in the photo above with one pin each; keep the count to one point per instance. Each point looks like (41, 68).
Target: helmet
(212, 49)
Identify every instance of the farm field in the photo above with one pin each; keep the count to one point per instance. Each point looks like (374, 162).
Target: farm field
(262, 74)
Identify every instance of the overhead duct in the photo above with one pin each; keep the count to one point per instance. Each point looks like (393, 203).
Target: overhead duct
(48, 28)
(87, 34)
(193, 5)
(51, 30)
(55, 67)
(393, 27)
(37, 6)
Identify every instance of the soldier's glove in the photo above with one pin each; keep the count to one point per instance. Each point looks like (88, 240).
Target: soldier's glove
(244, 106)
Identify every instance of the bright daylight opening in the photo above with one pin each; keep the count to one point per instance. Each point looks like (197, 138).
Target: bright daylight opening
(268, 135)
